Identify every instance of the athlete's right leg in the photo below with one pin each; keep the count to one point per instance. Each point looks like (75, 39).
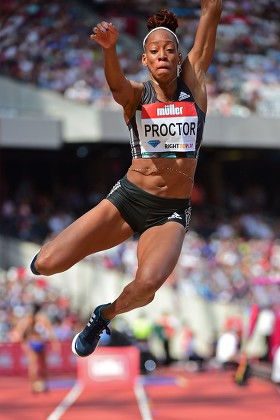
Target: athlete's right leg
(158, 251)
(101, 228)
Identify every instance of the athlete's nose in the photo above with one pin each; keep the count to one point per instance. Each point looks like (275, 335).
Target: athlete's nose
(162, 55)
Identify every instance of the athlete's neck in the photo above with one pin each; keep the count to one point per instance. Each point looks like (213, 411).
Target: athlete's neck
(165, 93)
(170, 83)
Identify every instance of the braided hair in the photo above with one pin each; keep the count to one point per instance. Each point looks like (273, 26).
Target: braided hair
(163, 18)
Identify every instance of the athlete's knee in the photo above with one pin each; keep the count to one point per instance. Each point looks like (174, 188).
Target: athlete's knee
(139, 293)
(147, 285)
(42, 264)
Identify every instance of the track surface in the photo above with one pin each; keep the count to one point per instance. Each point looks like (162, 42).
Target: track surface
(168, 394)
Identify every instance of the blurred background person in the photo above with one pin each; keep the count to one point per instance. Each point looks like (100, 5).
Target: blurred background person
(227, 349)
(165, 329)
(34, 332)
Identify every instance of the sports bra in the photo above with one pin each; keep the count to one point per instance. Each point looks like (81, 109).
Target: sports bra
(166, 129)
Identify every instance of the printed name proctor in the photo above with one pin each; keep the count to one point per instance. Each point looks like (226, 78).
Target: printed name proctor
(164, 127)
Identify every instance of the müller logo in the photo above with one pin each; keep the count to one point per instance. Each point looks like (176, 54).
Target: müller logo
(170, 110)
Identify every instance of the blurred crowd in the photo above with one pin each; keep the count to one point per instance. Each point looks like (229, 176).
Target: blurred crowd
(48, 45)
(19, 292)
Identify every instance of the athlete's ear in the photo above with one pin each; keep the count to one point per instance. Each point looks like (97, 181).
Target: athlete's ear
(144, 60)
(180, 58)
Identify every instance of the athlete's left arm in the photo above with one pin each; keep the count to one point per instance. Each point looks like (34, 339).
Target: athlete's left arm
(197, 62)
(203, 48)
(201, 54)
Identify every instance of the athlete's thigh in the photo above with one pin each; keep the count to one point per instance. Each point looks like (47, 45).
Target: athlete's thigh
(159, 249)
(100, 228)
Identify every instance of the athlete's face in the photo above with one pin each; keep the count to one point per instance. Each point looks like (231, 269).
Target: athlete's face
(161, 55)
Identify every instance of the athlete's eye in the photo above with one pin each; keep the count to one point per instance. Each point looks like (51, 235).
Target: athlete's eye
(153, 51)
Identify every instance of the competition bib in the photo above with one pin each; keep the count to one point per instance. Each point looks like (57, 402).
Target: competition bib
(164, 127)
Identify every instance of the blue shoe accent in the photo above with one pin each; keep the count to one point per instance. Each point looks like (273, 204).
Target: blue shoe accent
(86, 341)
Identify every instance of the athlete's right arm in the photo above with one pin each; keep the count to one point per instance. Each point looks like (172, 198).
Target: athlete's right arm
(125, 92)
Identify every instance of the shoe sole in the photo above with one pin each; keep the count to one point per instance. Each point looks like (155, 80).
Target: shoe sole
(73, 345)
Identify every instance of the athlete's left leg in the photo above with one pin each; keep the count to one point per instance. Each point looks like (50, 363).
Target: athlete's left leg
(158, 252)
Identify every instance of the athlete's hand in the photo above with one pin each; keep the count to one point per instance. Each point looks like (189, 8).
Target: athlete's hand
(105, 34)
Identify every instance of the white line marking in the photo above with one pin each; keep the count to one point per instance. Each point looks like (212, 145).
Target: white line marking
(69, 399)
(142, 400)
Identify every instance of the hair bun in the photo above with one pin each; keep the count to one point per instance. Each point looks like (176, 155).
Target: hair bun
(163, 18)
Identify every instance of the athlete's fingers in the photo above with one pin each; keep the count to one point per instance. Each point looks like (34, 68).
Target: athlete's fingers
(103, 26)
(97, 32)
(104, 32)
(112, 28)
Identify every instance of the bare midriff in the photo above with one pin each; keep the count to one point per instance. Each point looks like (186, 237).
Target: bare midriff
(171, 178)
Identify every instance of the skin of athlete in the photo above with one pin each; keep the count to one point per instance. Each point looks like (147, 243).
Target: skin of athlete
(103, 227)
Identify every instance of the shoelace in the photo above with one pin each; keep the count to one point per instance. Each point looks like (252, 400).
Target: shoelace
(107, 330)
(92, 324)
(104, 327)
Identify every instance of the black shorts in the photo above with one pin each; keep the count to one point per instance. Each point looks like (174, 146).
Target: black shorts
(142, 210)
